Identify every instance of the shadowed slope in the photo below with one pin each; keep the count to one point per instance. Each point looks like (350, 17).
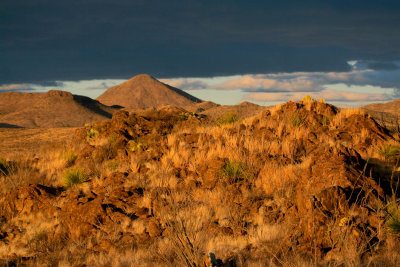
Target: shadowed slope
(52, 109)
(143, 91)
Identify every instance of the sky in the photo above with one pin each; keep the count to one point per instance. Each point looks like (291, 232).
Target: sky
(345, 51)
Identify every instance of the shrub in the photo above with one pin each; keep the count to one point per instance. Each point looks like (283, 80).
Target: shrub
(92, 134)
(307, 98)
(388, 151)
(70, 158)
(233, 170)
(227, 118)
(188, 116)
(3, 167)
(296, 120)
(393, 221)
(137, 146)
(74, 177)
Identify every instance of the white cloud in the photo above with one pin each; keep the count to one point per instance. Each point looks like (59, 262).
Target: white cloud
(16, 87)
(186, 84)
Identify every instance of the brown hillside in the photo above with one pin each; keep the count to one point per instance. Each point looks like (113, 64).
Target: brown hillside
(387, 114)
(143, 91)
(390, 107)
(201, 107)
(243, 110)
(52, 109)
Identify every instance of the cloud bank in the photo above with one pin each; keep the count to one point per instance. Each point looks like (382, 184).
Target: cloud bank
(380, 84)
(360, 84)
(51, 40)
(327, 94)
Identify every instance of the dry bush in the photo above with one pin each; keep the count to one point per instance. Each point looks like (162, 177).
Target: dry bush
(344, 114)
(227, 118)
(185, 230)
(20, 173)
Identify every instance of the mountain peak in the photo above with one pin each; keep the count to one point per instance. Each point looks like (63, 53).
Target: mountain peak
(144, 91)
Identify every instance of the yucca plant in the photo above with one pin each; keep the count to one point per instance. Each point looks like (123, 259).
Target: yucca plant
(393, 221)
(233, 170)
(388, 151)
(92, 134)
(73, 177)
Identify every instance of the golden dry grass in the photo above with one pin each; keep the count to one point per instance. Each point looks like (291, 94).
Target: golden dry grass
(270, 211)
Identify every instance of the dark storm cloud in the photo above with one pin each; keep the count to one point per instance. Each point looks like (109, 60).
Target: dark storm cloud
(71, 40)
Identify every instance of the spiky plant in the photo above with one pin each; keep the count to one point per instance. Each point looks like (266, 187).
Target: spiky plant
(393, 220)
(388, 151)
(73, 177)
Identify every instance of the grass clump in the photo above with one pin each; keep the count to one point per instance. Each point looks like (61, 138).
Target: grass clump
(296, 120)
(113, 165)
(323, 120)
(227, 118)
(233, 171)
(73, 177)
(92, 134)
(388, 151)
(70, 158)
(393, 221)
(112, 139)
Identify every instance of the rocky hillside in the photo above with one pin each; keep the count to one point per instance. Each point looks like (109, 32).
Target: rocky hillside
(387, 114)
(298, 185)
(143, 91)
(392, 107)
(51, 109)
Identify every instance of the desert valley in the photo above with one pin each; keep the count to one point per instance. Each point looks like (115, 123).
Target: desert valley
(148, 175)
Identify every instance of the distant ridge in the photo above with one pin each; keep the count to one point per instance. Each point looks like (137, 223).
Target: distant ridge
(144, 91)
(389, 107)
(52, 109)
(387, 114)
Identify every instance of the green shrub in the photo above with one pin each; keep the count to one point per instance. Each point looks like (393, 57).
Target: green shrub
(388, 151)
(296, 120)
(233, 171)
(393, 221)
(188, 116)
(70, 158)
(137, 146)
(3, 166)
(92, 134)
(227, 118)
(74, 177)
